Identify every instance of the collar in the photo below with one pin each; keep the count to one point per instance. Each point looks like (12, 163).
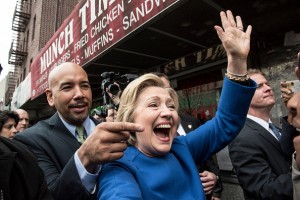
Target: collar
(88, 125)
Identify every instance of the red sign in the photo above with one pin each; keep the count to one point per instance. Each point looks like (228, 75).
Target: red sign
(93, 27)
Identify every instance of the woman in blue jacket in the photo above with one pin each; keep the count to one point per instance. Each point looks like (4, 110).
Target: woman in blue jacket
(157, 164)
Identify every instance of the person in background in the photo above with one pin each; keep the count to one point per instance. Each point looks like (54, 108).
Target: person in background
(71, 146)
(8, 123)
(111, 113)
(295, 164)
(114, 99)
(211, 181)
(293, 105)
(20, 176)
(294, 119)
(262, 167)
(99, 114)
(157, 164)
(23, 120)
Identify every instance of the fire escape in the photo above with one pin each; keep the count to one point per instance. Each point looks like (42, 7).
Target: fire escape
(18, 49)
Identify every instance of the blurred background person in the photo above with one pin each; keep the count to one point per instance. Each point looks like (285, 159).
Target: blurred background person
(8, 123)
(111, 113)
(20, 176)
(99, 113)
(23, 120)
(293, 104)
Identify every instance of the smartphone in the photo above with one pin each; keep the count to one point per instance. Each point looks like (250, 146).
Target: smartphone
(293, 85)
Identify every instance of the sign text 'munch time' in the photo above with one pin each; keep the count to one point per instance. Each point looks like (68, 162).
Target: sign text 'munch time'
(93, 27)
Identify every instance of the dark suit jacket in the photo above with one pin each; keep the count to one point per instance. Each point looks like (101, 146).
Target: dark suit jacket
(262, 168)
(20, 176)
(189, 124)
(54, 147)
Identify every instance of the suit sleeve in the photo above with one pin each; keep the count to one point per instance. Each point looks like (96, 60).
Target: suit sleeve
(254, 172)
(62, 178)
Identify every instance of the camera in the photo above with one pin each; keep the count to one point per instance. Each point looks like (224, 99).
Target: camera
(109, 81)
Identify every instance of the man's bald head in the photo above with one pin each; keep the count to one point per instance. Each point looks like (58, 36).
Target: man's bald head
(62, 69)
(69, 92)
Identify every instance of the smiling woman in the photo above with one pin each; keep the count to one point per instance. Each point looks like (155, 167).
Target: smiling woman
(153, 103)
(157, 165)
(155, 157)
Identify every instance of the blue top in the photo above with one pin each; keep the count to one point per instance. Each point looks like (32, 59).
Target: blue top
(175, 175)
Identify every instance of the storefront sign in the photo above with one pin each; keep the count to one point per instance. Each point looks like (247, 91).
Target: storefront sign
(92, 28)
(198, 58)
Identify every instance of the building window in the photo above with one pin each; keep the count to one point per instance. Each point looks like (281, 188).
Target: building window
(24, 73)
(33, 27)
(30, 65)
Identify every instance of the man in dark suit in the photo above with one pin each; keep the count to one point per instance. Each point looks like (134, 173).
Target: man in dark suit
(262, 168)
(72, 168)
(20, 175)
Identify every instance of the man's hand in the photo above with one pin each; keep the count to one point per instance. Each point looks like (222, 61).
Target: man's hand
(286, 93)
(106, 143)
(208, 180)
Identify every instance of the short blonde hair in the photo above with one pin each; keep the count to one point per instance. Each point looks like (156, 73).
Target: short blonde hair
(128, 101)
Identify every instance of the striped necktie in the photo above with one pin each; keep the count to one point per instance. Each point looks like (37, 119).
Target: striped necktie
(275, 131)
(80, 134)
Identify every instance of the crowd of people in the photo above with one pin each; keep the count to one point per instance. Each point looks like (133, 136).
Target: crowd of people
(140, 147)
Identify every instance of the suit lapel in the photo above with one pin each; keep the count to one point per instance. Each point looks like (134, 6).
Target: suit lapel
(266, 135)
(60, 131)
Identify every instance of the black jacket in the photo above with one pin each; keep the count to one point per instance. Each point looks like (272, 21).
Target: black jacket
(263, 169)
(20, 176)
(54, 146)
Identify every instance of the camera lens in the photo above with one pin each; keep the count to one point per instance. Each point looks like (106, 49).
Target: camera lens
(113, 88)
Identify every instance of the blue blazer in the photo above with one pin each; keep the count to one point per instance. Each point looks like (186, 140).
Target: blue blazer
(175, 175)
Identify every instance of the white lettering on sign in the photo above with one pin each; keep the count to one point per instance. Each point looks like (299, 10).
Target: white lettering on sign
(140, 12)
(100, 42)
(61, 43)
(103, 5)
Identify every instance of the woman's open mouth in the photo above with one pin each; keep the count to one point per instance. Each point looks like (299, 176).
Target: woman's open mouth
(162, 131)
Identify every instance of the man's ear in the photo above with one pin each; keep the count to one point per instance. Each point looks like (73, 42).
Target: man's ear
(49, 97)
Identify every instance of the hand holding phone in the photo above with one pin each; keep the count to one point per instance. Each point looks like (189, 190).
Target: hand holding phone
(293, 85)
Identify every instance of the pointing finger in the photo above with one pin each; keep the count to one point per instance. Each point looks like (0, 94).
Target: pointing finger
(121, 126)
